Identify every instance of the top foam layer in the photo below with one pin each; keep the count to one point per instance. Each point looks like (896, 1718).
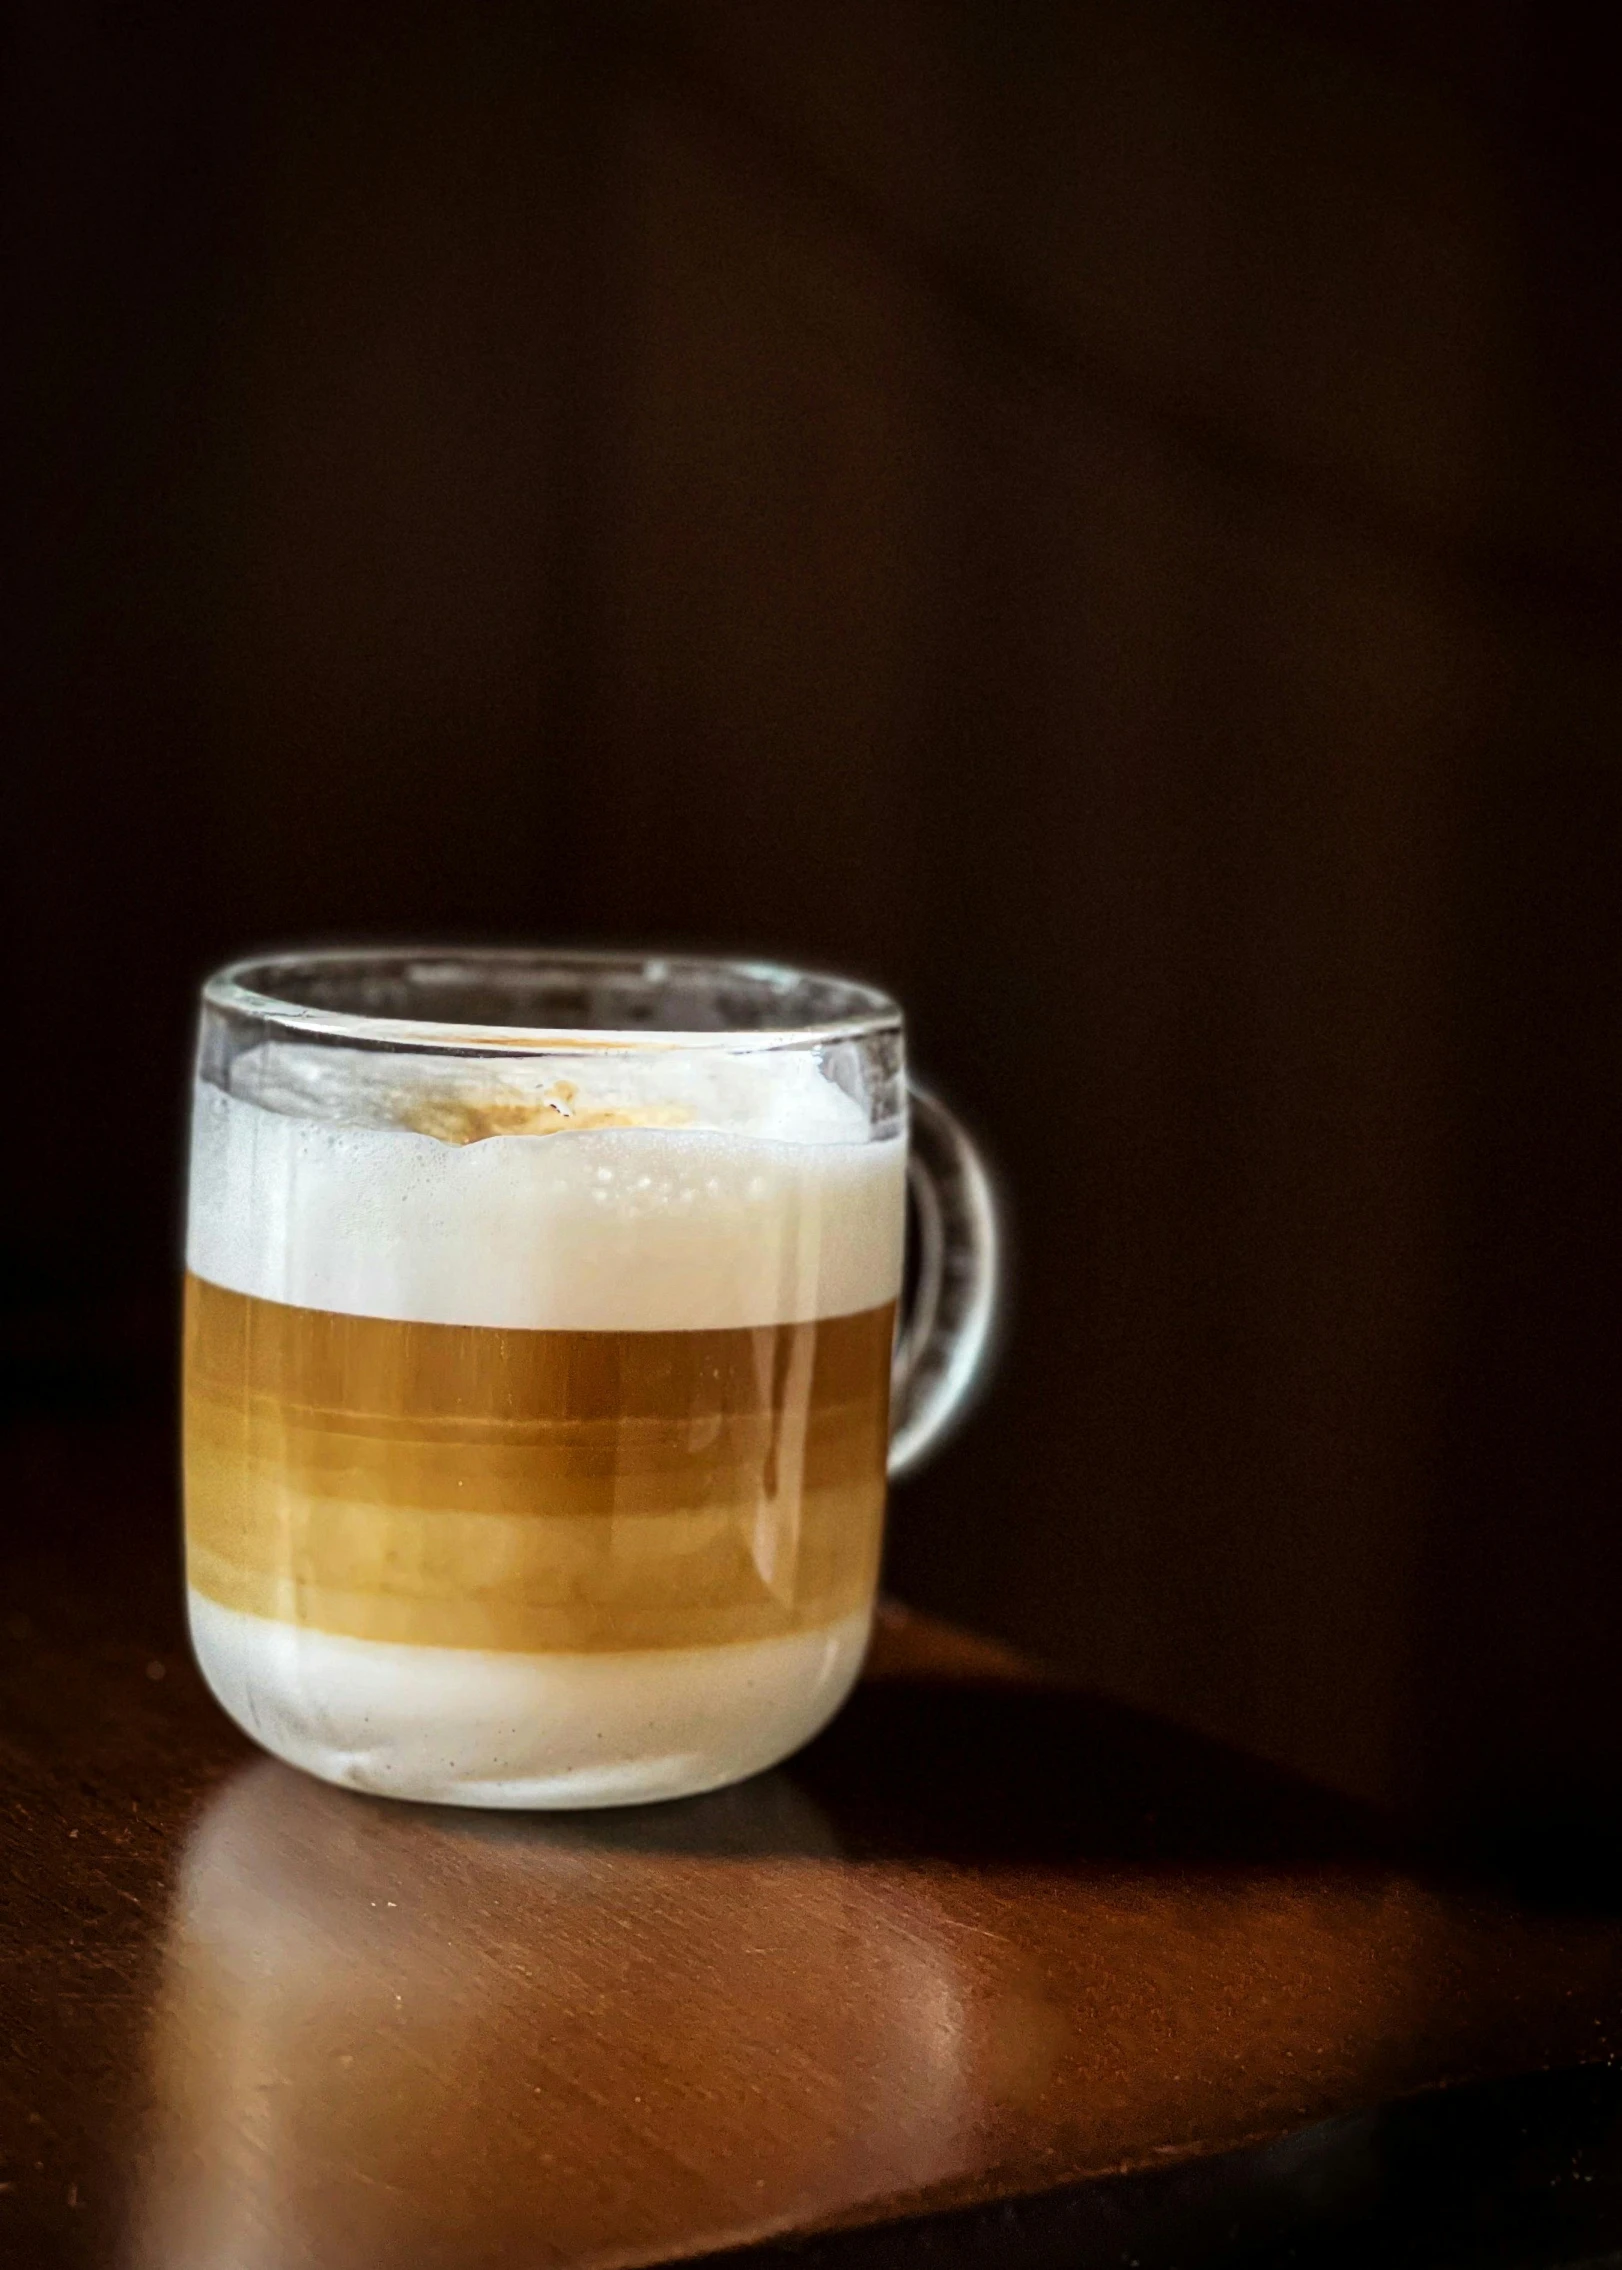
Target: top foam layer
(655, 1195)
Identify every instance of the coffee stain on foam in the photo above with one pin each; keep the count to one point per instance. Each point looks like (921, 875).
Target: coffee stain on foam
(460, 1119)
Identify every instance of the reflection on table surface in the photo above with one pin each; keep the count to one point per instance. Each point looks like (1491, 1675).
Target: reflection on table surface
(948, 1955)
(388, 2035)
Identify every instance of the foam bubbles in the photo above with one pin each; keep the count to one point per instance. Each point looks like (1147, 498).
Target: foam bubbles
(784, 1095)
(676, 1192)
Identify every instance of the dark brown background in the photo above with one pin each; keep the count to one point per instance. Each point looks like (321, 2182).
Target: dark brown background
(1102, 518)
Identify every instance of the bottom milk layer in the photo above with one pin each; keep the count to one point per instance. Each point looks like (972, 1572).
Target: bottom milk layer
(471, 1726)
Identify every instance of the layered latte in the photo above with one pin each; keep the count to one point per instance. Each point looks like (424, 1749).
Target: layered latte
(536, 1435)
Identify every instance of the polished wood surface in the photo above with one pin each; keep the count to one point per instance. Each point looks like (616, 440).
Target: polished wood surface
(987, 1938)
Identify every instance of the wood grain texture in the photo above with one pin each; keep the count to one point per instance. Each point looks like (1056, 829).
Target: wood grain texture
(251, 2018)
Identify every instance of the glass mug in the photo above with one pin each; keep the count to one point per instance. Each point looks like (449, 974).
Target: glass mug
(542, 1370)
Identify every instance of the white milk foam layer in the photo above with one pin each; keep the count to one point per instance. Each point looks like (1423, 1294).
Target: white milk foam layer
(461, 1726)
(753, 1198)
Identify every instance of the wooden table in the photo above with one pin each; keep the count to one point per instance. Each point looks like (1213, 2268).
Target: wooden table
(995, 1972)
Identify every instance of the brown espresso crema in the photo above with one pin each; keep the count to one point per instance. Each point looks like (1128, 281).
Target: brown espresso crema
(488, 1487)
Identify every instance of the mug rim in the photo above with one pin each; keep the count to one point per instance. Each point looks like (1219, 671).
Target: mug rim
(246, 987)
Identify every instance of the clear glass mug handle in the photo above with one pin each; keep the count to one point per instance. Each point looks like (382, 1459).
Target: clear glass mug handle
(945, 1344)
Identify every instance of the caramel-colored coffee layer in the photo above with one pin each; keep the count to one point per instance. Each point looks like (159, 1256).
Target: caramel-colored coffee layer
(460, 1486)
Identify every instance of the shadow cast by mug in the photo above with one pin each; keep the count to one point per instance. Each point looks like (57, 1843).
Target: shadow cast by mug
(994, 1774)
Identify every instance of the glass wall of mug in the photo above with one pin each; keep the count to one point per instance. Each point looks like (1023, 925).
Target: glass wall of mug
(539, 1328)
